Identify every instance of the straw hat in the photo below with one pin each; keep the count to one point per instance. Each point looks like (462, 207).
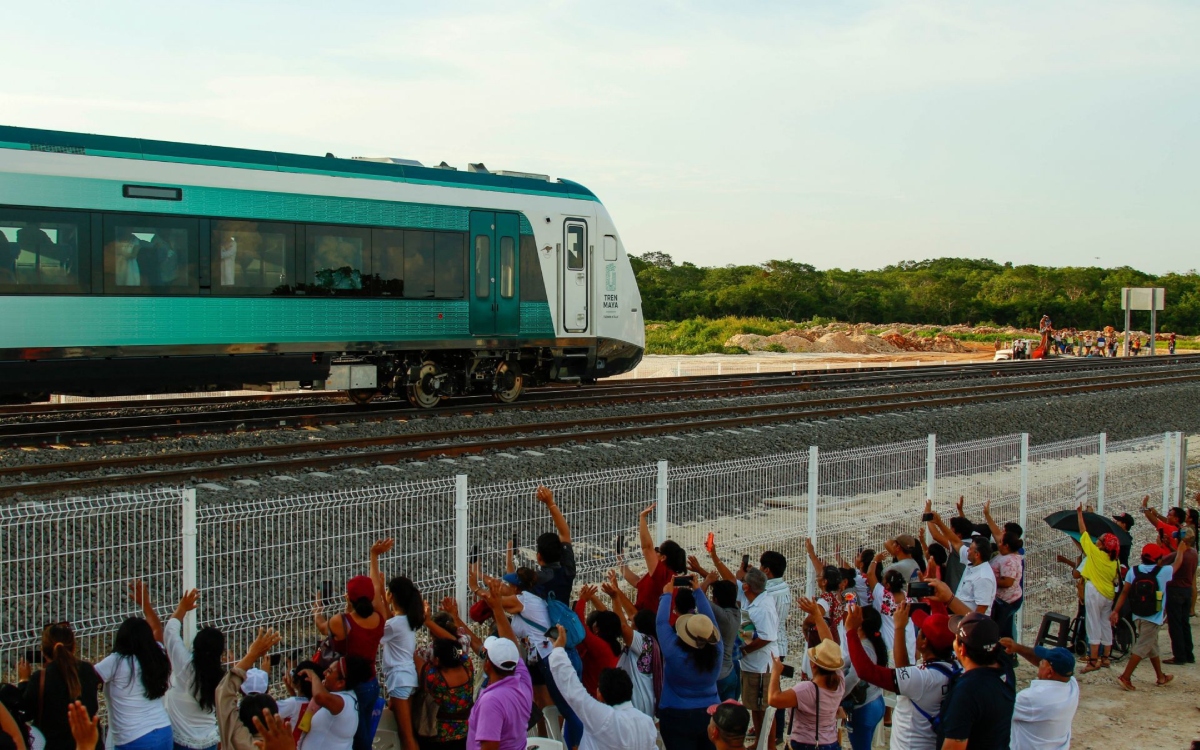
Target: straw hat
(827, 655)
(696, 631)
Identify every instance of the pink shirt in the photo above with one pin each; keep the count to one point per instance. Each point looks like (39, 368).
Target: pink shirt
(1008, 566)
(803, 728)
(501, 712)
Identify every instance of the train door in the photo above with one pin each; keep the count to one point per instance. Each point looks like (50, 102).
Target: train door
(495, 306)
(575, 276)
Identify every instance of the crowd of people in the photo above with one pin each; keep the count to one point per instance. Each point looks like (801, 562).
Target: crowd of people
(917, 638)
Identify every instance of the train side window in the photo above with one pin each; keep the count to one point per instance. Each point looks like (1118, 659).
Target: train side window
(533, 286)
(576, 251)
(610, 247)
(388, 261)
(43, 252)
(508, 267)
(251, 257)
(338, 258)
(451, 264)
(483, 266)
(419, 265)
(150, 255)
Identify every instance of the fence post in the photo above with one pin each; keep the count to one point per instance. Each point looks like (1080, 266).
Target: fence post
(931, 467)
(1019, 624)
(660, 516)
(814, 494)
(1166, 484)
(1100, 478)
(190, 564)
(461, 542)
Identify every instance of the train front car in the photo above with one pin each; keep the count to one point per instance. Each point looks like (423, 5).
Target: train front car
(134, 266)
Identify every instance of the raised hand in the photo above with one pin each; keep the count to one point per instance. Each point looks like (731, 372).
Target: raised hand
(959, 506)
(854, 618)
(85, 729)
(545, 496)
(587, 593)
(382, 547)
(648, 510)
(276, 732)
(139, 593)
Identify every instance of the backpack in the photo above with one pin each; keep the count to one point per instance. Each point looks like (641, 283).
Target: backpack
(1145, 598)
(952, 671)
(562, 615)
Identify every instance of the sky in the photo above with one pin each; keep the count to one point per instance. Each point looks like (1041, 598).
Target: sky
(844, 133)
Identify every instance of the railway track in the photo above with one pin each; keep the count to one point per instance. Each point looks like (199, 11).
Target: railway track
(95, 425)
(182, 467)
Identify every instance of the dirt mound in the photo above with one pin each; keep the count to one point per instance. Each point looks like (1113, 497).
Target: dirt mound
(753, 342)
(901, 342)
(945, 344)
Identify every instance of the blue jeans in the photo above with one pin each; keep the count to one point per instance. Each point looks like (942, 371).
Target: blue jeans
(159, 739)
(863, 721)
(685, 728)
(572, 726)
(730, 688)
(367, 693)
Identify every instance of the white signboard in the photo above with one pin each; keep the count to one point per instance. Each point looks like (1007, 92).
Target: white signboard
(1145, 298)
(1081, 489)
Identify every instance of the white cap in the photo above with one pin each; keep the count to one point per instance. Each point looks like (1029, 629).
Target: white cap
(502, 653)
(256, 681)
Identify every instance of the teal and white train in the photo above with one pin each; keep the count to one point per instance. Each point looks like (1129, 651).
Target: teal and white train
(131, 266)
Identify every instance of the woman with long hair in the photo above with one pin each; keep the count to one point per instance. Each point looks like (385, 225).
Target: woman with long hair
(191, 701)
(601, 647)
(908, 555)
(63, 679)
(814, 702)
(691, 664)
(448, 678)
(866, 709)
(399, 643)
(886, 597)
(641, 658)
(136, 677)
(357, 632)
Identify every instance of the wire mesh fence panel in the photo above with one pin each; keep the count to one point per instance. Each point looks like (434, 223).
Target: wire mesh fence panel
(1059, 473)
(600, 507)
(72, 561)
(980, 471)
(265, 562)
(1133, 471)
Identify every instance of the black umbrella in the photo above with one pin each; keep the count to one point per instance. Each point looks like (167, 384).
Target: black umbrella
(1097, 525)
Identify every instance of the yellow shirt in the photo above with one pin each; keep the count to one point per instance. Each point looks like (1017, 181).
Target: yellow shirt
(1098, 567)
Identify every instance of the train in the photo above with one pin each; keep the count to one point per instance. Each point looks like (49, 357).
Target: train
(133, 266)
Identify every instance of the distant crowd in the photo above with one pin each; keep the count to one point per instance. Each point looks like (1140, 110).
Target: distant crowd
(915, 640)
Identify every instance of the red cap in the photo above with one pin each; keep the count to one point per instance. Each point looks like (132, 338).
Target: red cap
(360, 587)
(935, 627)
(1154, 552)
(1109, 543)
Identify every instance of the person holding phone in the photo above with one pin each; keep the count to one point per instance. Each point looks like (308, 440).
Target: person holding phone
(814, 702)
(663, 562)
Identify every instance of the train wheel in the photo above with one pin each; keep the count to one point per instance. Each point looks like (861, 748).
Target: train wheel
(421, 393)
(509, 383)
(361, 396)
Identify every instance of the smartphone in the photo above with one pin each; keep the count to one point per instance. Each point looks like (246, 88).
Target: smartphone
(708, 543)
(474, 554)
(326, 590)
(683, 582)
(619, 545)
(850, 597)
(33, 657)
(923, 606)
(275, 659)
(745, 562)
(926, 517)
(788, 672)
(515, 543)
(919, 590)
(552, 633)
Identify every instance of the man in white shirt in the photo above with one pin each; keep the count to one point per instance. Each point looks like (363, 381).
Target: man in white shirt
(612, 722)
(1045, 710)
(977, 588)
(760, 634)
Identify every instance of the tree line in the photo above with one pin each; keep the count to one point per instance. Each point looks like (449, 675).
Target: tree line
(944, 291)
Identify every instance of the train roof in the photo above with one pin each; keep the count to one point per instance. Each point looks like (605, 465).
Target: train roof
(56, 141)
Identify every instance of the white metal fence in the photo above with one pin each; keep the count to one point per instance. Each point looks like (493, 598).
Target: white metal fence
(263, 562)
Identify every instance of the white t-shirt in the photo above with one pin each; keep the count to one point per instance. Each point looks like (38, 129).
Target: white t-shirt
(130, 713)
(884, 601)
(852, 680)
(862, 590)
(1043, 714)
(397, 647)
(330, 732)
(191, 725)
(926, 687)
(290, 708)
(532, 623)
(762, 614)
(977, 587)
(643, 682)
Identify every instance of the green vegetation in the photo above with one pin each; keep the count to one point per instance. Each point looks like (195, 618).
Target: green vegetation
(945, 291)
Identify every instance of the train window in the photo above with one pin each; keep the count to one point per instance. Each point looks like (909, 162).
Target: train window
(40, 252)
(451, 264)
(251, 257)
(508, 267)
(388, 261)
(576, 251)
(483, 266)
(338, 258)
(418, 265)
(150, 255)
(610, 247)
(533, 286)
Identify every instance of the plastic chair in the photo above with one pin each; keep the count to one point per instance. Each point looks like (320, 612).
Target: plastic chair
(553, 725)
(766, 737)
(1061, 635)
(541, 743)
(387, 736)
